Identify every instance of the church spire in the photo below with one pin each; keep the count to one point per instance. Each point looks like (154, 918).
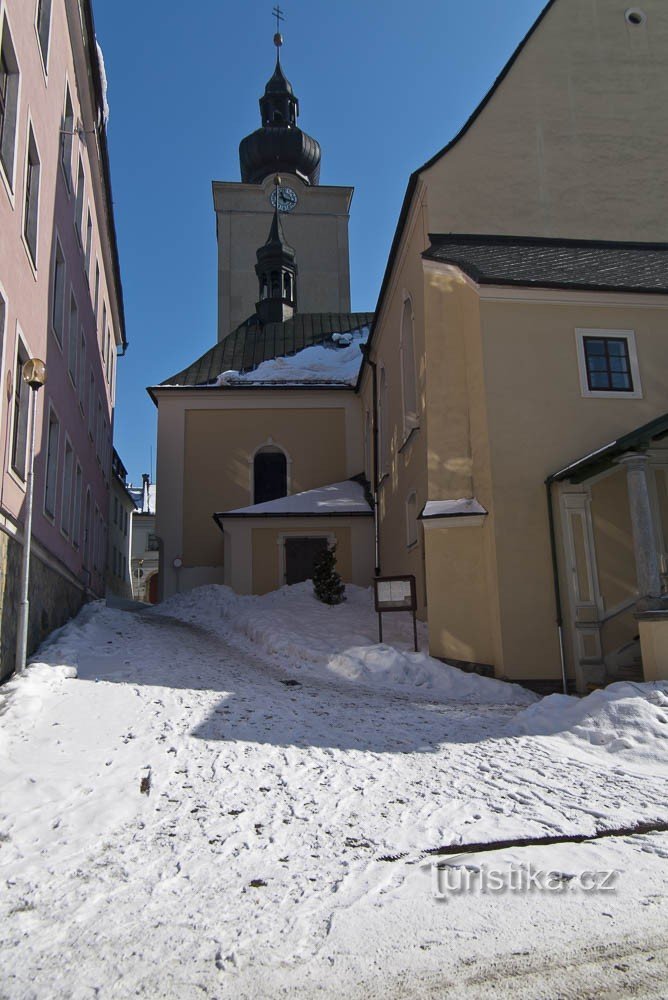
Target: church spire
(276, 269)
(279, 144)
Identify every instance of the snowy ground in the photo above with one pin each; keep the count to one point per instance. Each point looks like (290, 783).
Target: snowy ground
(293, 777)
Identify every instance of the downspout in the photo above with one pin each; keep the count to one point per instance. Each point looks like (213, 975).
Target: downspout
(555, 579)
(376, 477)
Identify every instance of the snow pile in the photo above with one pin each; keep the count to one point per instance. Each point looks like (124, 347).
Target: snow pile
(308, 637)
(621, 717)
(316, 365)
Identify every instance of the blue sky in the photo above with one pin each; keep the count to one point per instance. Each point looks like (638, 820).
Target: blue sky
(382, 86)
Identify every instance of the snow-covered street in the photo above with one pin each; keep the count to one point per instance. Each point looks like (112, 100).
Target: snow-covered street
(222, 805)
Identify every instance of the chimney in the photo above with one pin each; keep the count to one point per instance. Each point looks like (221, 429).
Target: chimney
(146, 479)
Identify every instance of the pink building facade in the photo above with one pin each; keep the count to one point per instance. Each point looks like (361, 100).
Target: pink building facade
(61, 301)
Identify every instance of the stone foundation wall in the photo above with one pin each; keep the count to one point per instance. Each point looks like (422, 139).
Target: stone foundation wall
(53, 601)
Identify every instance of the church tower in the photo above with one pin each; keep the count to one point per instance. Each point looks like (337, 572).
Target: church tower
(277, 273)
(308, 221)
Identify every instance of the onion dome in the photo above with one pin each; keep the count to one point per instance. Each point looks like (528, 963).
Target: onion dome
(279, 145)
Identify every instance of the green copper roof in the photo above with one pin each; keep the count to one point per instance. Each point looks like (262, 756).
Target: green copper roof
(251, 344)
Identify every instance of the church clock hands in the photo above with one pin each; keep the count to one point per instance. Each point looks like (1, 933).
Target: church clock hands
(283, 198)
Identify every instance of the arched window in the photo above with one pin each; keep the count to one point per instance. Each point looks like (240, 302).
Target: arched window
(287, 286)
(275, 285)
(408, 373)
(263, 287)
(270, 474)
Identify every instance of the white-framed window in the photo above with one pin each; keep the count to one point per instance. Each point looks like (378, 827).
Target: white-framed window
(96, 290)
(58, 293)
(67, 487)
(51, 478)
(608, 363)
(383, 423)
(89, 242)
(9, 102)
(73, 338)
(79, 203)
(66, 138)
(21, 403)
(76, 509)
(43, 26)
(411, 520)
(31, 200)
(408, 370)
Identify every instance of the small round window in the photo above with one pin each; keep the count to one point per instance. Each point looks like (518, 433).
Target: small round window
(635, 16)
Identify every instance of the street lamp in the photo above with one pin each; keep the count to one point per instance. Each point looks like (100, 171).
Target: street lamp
(34, 375)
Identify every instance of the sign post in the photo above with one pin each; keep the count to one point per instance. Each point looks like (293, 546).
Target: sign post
(395, 593)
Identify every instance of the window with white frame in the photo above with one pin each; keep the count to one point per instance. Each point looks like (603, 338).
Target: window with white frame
(9, 102)
(384, 424)
(79, 203)
(96, 292)
(58, 293)
(43, 25)
(72, 339)
(411, 520)
(67, 138)
(608, 363)
(21, 401)
(76, 511)
(31, 200)
(408, 371)
(89, 242)
(51, 480)
(66, 493)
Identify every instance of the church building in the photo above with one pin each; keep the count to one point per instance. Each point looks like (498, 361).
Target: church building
(498, 427)
(260, 460)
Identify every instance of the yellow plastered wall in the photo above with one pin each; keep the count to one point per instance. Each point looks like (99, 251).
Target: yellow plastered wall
(266, 549)
(219, 445)
(572, 142)
(407, 469)
(538, 423)
(459, 619)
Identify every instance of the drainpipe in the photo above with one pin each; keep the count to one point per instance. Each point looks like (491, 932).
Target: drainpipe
(376, 476)
(555, 580)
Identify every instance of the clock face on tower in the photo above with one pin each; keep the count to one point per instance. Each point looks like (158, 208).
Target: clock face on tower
(283, 198)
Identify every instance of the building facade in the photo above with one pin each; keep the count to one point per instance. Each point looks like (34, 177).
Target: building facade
(61, 301)
(521, 327)
(506, 420)
(121, 509)
(145, 548)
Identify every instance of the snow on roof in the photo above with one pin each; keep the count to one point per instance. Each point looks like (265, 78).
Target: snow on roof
(337, 363)
(336, 499)
(464, 507)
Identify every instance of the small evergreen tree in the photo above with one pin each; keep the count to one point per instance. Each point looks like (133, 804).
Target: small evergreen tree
(328, 586)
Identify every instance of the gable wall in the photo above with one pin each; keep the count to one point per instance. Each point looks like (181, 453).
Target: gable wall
(572, 143)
